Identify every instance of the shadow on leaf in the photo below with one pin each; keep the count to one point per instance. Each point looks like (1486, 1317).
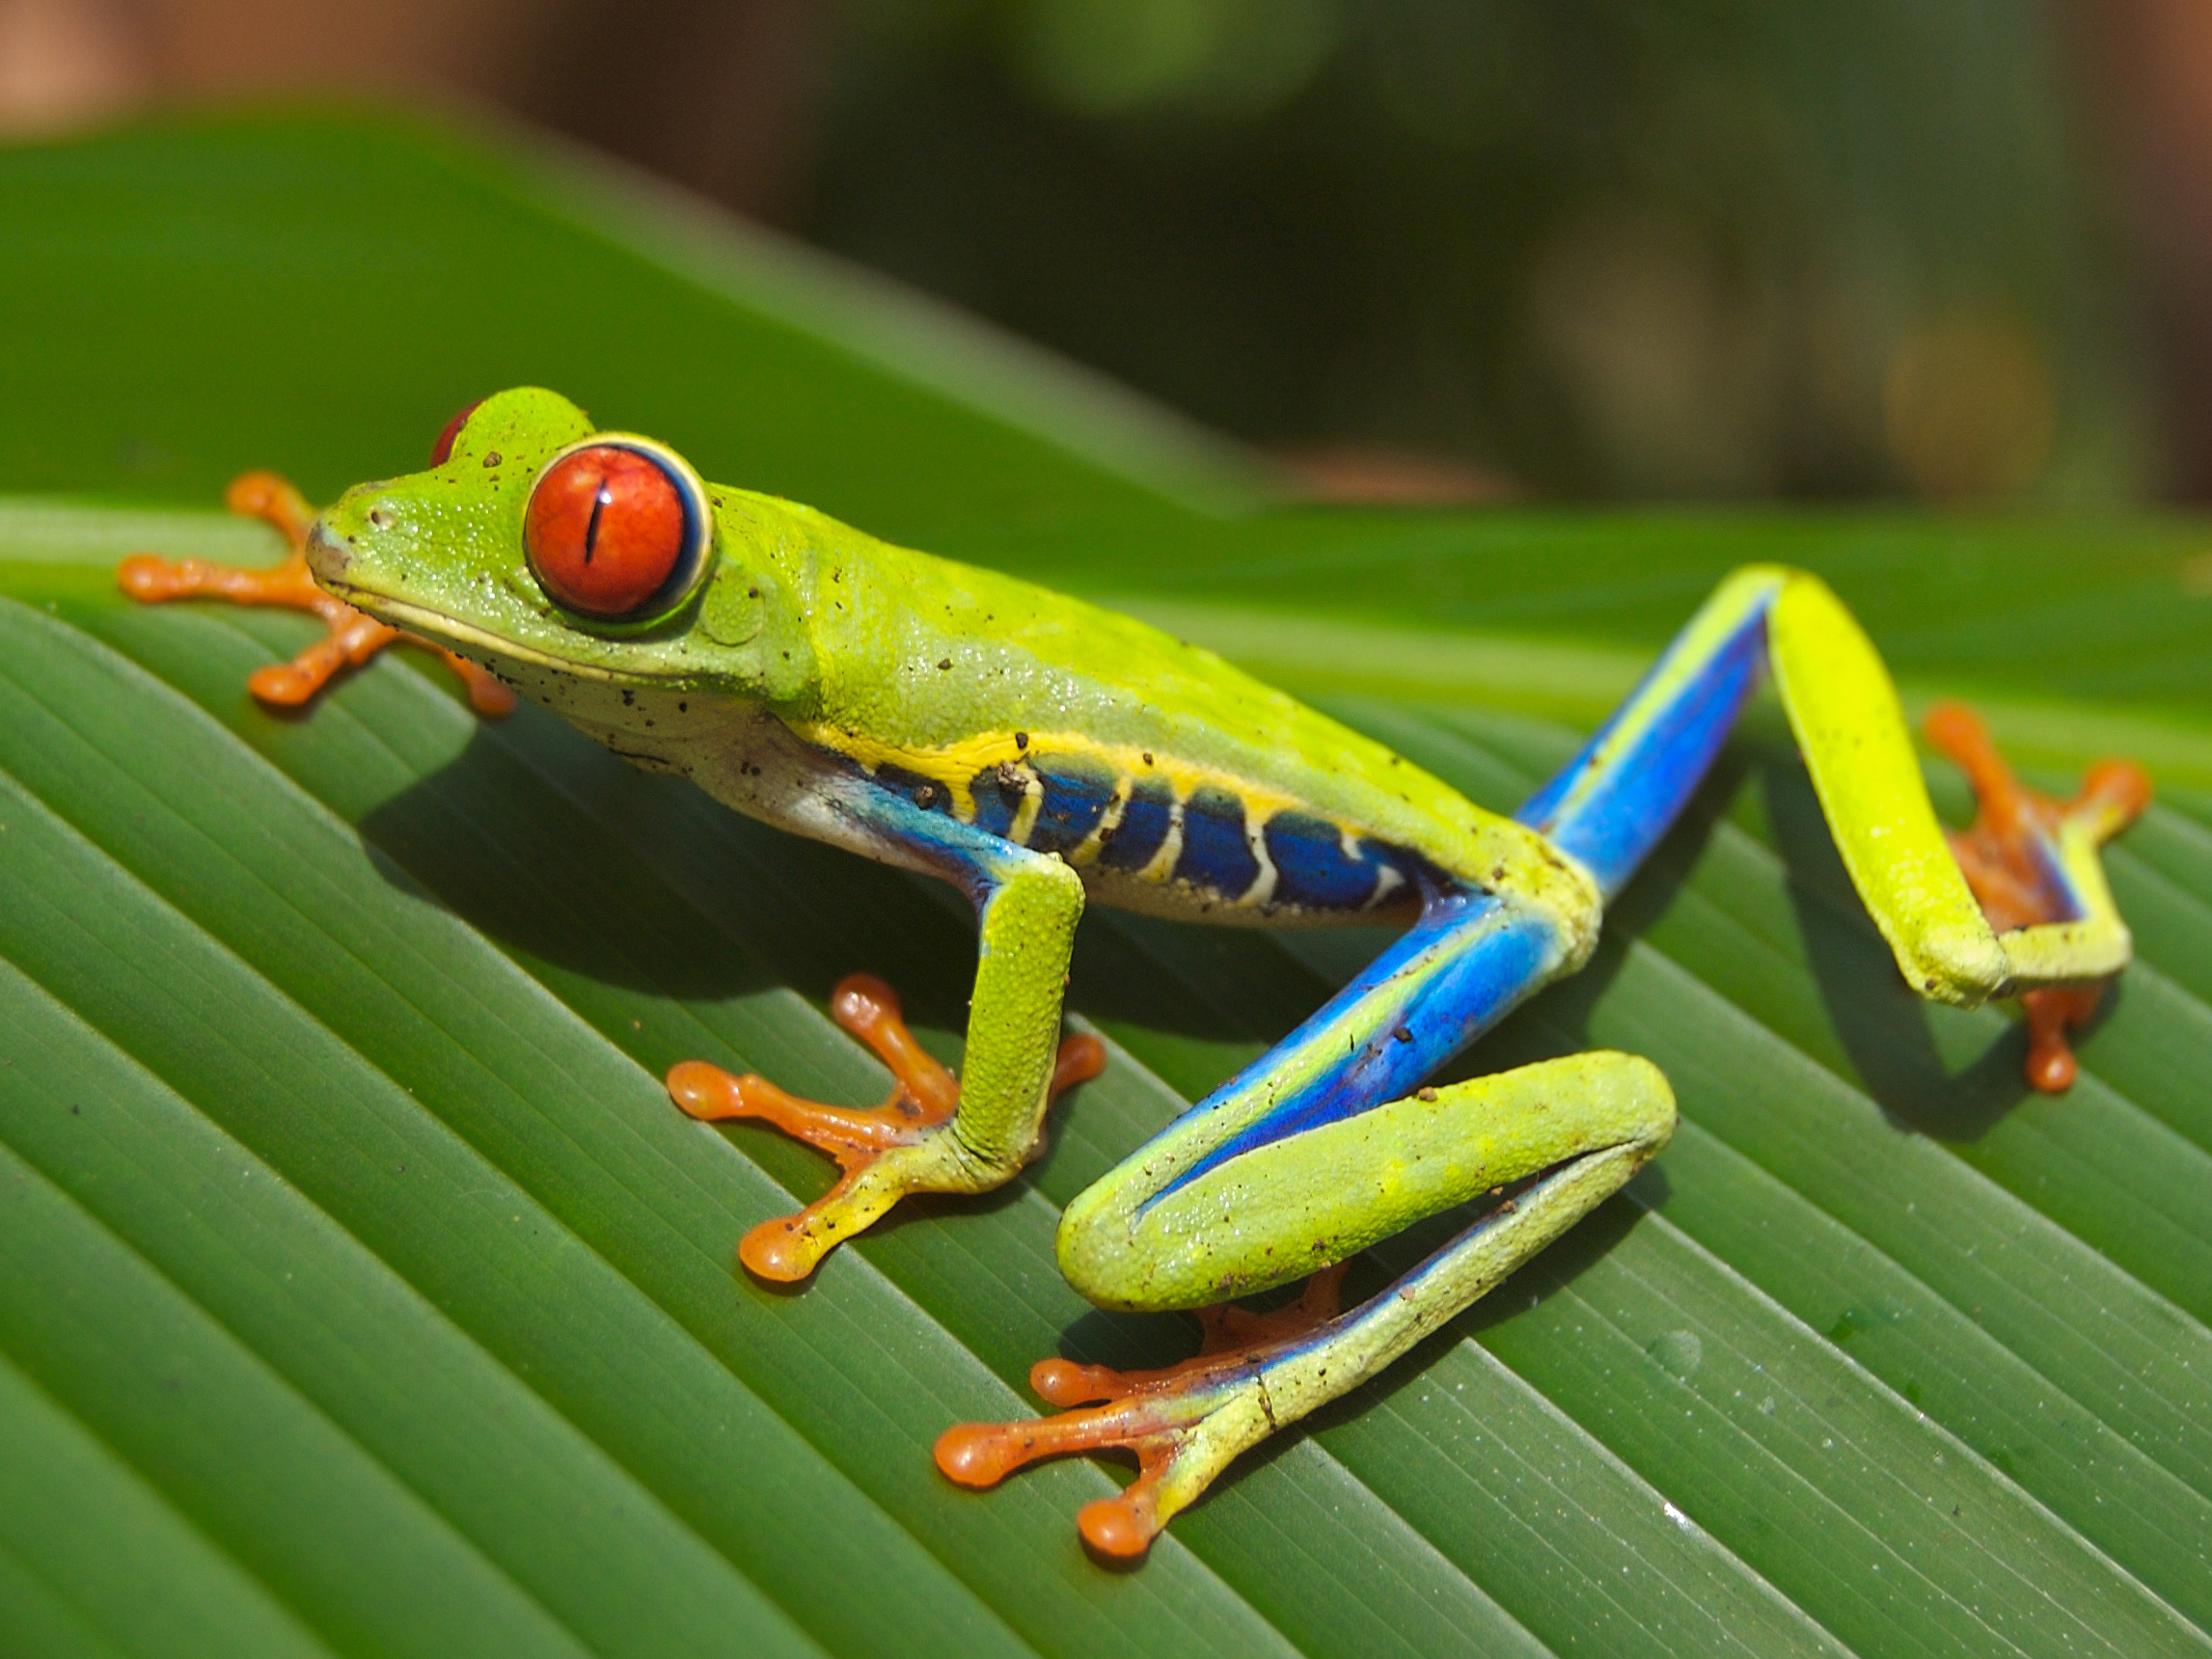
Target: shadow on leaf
(1885, 1030)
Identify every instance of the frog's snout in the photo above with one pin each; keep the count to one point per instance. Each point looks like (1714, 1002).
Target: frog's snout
(326, 552)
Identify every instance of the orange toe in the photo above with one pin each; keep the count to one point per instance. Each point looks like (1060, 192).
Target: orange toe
(924, 1096)
(782, 1251)
(1157, 1414)
(1119, 1526)
(2008, 855)
(353, 637)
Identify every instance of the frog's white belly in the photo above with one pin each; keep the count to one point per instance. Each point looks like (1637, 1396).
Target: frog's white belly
(747, 758)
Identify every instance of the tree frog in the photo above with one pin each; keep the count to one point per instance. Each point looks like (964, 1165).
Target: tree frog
(1041, 753)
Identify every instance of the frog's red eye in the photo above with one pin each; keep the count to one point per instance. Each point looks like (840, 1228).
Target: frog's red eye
(442, 450)
(615, 531)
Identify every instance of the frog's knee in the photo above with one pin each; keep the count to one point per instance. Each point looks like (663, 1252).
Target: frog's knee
(1964, 965)
(1652, 1113)
(1628, 1098)
(1098, 1255)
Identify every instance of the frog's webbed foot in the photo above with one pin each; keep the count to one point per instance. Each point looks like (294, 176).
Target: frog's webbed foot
(1185, 1422)
(2008, 859)
(352, 638)
(906, 1144)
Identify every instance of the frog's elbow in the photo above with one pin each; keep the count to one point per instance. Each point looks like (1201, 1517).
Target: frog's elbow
(1096, 1251)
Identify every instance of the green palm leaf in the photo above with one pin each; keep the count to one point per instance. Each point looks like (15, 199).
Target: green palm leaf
(366, 1296)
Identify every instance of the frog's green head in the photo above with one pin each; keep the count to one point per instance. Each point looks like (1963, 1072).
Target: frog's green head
(534, 543)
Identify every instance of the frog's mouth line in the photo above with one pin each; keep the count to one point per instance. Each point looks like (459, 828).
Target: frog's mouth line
(475, 644)
(458, 635)
(435, 625)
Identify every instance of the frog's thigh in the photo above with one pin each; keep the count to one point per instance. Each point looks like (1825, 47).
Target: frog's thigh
(1285, 1209)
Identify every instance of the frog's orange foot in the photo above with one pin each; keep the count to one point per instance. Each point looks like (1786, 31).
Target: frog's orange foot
(2008, 857)
(1184, 1422)
(352, 638)
(885, 1152)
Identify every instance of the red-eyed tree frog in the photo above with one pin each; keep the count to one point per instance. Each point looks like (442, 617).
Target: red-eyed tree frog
(1041, 753)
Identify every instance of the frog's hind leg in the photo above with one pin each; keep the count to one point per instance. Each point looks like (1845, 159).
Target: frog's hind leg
(1323, 1147)
(1159, 1415)
(353, 637)
(2018, 907)
(1573, 1130)
(2019, 857)
(871, 1145)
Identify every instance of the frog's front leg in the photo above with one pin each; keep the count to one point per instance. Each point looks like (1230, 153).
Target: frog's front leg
(352, 638)
(937, 1133)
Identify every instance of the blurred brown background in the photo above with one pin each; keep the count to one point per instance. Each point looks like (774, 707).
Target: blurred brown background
(1422, 248)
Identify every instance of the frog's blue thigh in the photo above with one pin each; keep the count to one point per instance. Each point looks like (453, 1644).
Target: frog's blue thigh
(1616, 800)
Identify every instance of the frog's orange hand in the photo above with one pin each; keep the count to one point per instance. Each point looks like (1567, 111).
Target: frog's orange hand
(352, 638)
(2009, 860)
(1184, 1422)
(885, 1153)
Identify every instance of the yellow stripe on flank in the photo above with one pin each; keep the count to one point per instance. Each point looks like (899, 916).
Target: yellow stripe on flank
(953, 765)
(956, 764)
(1262, 887)
(1170, 851)
(1026, 815)
(1093, 844)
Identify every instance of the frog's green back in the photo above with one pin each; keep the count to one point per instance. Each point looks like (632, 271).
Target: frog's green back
(947, 673)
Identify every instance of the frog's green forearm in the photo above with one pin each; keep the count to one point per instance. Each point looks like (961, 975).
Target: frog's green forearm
(1027, 907)
(1026, 930)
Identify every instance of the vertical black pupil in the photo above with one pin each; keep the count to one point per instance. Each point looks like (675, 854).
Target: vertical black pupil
(601, 500)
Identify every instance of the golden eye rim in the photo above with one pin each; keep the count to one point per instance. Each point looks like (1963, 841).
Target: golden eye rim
(694, 560)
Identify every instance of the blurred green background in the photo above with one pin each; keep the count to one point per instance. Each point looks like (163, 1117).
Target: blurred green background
(1441, 249)
(1589, 247)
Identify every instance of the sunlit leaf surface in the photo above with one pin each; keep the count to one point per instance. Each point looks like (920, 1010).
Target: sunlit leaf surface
(365, 1293)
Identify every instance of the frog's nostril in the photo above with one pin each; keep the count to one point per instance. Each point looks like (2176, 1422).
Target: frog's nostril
(379, 519)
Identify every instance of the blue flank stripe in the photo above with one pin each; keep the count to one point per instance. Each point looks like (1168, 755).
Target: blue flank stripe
(1146, 817)
(1216, 858)
(1312, 868)
(996, 804)
(1077, 790)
